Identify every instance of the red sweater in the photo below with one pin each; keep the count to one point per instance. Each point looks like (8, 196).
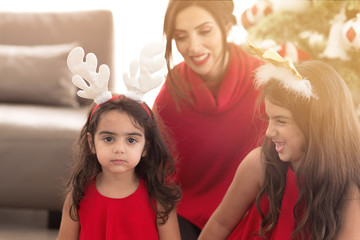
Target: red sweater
(212, 136)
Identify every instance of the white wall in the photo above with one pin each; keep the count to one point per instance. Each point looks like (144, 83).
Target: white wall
(137, 22)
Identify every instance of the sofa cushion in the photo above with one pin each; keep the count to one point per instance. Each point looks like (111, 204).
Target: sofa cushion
(91, 29)
(36, 74)
(36, 144)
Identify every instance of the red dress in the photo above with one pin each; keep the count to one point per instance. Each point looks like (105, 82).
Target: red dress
(108, 218)
(212, 135)
(250, 224)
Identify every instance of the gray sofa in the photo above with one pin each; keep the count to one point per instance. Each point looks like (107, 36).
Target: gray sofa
(40, 114)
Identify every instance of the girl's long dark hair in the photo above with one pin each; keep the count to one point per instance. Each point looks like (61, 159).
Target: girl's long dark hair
(156, 168)
(331, 162)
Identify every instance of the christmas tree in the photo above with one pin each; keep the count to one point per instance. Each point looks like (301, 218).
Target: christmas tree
(302, 29)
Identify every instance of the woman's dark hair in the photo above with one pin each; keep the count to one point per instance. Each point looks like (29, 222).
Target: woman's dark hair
(221, 10)
(331, 162)
(156, 168)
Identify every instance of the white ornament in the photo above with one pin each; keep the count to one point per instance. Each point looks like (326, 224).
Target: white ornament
(335, 45)
(252, 15)
(351, 33)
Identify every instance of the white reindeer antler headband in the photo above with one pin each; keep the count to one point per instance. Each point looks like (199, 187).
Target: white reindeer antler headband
(282, 70)
(97, 87)
(94, 85)
(150, 63)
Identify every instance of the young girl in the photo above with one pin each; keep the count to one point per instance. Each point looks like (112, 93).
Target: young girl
(304, 183)
(120, 188)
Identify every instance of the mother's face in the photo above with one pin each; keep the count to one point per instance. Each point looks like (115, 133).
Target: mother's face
(198, 38)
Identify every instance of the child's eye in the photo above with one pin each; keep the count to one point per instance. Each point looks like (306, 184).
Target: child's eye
(108, 139)
(131, 140)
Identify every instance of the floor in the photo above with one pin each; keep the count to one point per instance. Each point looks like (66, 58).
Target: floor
(18, 224)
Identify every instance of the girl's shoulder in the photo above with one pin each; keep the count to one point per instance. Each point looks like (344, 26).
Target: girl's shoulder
(255, 159)
(252, 168)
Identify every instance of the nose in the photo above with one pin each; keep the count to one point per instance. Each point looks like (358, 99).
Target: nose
(119, 148)
(270, 131)
(194, 44)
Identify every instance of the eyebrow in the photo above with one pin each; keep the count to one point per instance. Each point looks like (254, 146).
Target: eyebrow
(197, 27)
(279, 116)
(128, 134)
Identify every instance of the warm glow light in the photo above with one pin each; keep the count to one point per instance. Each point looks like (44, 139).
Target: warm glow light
(137, 22)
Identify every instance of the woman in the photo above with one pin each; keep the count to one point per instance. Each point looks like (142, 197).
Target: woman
(207, 102)
(307, 184)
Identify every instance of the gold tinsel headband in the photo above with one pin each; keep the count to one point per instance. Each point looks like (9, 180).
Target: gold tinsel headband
(281, 70)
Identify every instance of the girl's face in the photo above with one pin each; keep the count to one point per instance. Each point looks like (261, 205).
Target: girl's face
(199, 40)
(289, 140)
(118, 144)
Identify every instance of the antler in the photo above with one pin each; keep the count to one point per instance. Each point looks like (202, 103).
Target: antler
(94, 84)
(150, 63)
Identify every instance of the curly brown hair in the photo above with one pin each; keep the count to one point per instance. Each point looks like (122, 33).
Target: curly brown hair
(156, 168)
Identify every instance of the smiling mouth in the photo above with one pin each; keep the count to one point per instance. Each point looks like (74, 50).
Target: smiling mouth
(200, 59)
(279, 146)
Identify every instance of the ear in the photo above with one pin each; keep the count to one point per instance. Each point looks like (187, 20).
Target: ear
(144, 152)
(91, 143)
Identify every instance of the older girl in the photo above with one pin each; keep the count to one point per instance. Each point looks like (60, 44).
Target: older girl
(304, 183)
